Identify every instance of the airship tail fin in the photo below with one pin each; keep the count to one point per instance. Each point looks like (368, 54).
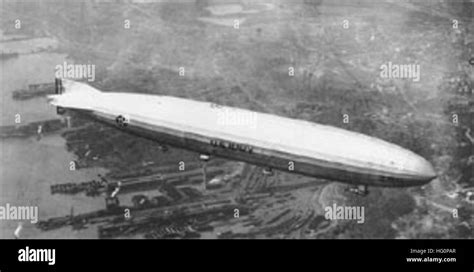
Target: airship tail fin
(73, 94)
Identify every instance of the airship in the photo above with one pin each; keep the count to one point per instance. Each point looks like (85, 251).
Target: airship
(269, 141)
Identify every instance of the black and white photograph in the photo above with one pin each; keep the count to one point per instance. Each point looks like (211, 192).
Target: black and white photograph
(237, 119)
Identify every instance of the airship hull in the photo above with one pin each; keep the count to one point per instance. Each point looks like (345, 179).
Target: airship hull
(271, 141)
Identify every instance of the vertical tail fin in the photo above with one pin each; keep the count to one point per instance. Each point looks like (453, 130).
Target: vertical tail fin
(58, 86)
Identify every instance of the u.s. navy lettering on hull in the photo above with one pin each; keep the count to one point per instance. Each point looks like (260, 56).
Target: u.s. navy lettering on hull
(230, 145)
(37, 255)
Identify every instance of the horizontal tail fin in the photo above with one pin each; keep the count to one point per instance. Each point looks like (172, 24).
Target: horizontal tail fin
(73, 94)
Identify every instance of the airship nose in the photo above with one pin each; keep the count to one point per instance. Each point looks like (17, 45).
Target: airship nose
(425, 169)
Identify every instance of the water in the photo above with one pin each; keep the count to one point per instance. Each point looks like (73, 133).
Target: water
(17, 74)
(28, 166)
